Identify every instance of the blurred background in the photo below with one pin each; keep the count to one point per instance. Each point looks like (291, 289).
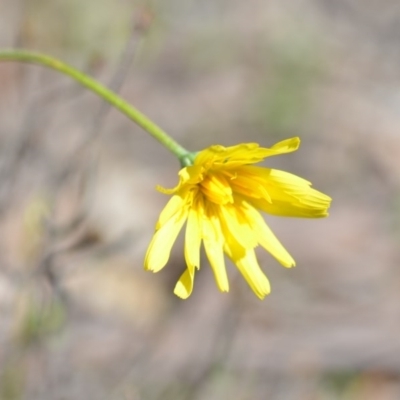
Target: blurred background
(80, 319)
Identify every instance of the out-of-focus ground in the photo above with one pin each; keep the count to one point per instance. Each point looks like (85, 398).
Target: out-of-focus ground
(80, 319)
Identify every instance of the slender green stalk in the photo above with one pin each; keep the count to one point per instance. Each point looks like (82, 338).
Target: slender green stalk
(102, 91)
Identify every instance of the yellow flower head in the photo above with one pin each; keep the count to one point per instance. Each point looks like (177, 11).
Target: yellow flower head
(219, 197)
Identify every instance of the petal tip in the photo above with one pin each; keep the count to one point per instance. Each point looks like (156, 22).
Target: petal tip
(181, 290)
(289, 264)
(264, 293)
(182, 294)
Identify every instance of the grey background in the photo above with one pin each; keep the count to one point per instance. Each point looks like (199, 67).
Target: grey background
(80, 319)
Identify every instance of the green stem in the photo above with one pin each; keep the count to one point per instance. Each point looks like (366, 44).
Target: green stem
(102, 91)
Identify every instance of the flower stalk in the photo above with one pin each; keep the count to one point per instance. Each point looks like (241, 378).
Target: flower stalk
(99, 89)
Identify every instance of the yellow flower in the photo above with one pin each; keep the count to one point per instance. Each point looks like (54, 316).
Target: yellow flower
(219, 197)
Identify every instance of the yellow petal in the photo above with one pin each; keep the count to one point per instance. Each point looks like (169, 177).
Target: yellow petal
(244, 152)
(290, 195)
(173, 206)
(217, 189)
(267, 239)
(246, 262)
(187, 176)
(253, 274)
(236, 224)
(250, 185)
(251, 154)
(192, 174)
(219, 157)
(213, 244)
(184, 286)
(193, 238)
(159, 250)
(235, 156)
(285, 146)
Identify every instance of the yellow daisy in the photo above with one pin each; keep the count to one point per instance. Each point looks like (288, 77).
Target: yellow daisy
(219, 197)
